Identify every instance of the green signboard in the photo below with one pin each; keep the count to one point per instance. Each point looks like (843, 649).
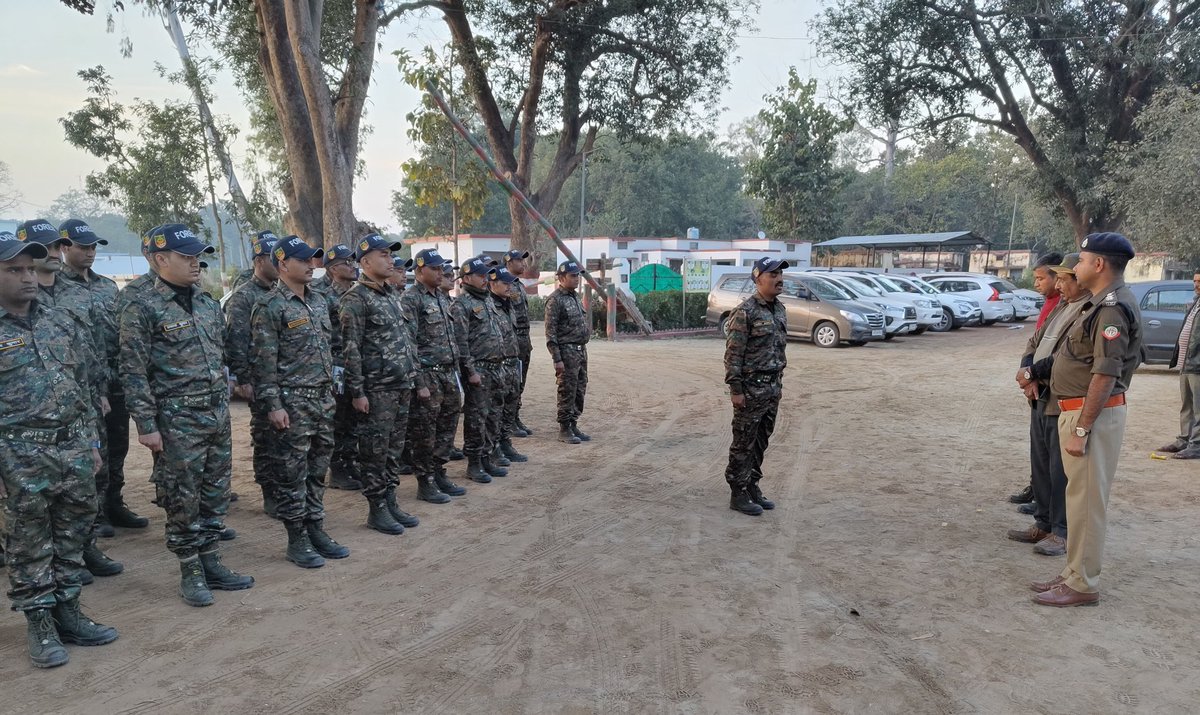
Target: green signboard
(654, 276)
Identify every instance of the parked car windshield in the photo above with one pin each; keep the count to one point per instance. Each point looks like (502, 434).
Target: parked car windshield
(890, 285)
(866, 289)
(826, 290)
(1003, 286)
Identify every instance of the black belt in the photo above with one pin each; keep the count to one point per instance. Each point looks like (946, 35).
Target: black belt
(439, 368)
(314, 393)
(43, 435)
(577, 346)
(762, 377)
(214, 399)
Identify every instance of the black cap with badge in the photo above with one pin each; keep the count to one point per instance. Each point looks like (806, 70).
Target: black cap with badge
(474, 266)
(78, 232)
(374, 242)
(514, 255)
(569, 268)
(768, 265)
(502, 274)
(294, 247)
(428, 257)
(402, 264)
(178, 238)
(340, 252)
(1107, 244)
(11, 247)
(39, 230)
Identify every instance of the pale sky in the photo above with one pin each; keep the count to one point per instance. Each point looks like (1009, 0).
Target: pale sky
(38, 84)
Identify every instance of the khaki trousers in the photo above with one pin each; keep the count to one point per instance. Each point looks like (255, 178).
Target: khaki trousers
(1088, 481)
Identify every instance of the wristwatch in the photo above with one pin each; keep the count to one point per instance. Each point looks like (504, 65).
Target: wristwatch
(1082, 431)
(1028, 374)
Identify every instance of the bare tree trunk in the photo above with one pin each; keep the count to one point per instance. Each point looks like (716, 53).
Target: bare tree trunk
(889, 150)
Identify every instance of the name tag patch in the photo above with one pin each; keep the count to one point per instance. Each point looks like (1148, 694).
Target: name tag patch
(176, 326)
(297, 323)
(12, 343)
(1111, 332)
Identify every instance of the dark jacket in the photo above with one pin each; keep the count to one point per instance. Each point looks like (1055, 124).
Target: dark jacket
(1191, 362)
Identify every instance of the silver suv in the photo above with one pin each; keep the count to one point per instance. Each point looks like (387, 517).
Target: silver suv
(816, 309)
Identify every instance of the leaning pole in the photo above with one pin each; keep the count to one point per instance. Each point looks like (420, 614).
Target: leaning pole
(536, 215)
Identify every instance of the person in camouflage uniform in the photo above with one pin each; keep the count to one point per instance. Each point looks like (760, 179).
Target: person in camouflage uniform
(567, 332)
(56, 291)
(481, 360)
(78, 257)
(378, 354)
(756, 336)
(241, 278)
(438, 397)
(517, 263)
(447, 288)
(171, 366)
(292, 363)
(237, 357)
(506, 292)
(49, 455)
(341, 271)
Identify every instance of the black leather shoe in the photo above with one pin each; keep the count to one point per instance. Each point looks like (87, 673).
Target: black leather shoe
(579, 433)
(757, 495)
(566, 435)
(740, 501)
(1030, 508)
(120, 515)
(1022, 497)
(456, 454)
(428, 491)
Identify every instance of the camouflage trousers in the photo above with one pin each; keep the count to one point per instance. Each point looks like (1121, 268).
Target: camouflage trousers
(512, 406)
(486, 405)
(381, 433)
(753, 424)
(572, 383)
(525, 352)
(115, 434)
(49, 507)
(347, 422)
(191, 474)
(262, 446)
(434, 422)
(302, 454)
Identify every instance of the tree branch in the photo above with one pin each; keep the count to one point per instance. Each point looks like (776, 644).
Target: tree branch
(386, 18)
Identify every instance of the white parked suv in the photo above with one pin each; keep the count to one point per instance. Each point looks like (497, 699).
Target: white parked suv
(956, 310)
(900, 315)
(929, 307)
(994, 295)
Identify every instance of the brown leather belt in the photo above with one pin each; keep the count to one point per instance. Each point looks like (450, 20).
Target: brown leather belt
(1076, 403)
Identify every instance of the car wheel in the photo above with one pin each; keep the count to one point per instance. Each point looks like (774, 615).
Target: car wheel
(723, 323)
(826, 335)
(945, 324)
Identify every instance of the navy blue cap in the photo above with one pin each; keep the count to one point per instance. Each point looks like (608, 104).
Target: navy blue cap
(475, 266)
(39, 230)
(340, 252)
(515, 255)
(79, 232)
(374, 242)
(502, 274)
(178, 238)
(402, 264)
(11, 247)
(203, 265)
(569, 268)
(768, 265)
(264, 243)
(1107, 244)
(295, 247)
(428, 257)
(488, 260)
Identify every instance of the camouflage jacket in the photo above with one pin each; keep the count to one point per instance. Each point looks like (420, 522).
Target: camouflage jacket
(97, 329)
(510, 339)
(332, 296)
(104, 304)
(566, 322)
(433, 326)
(520, 316)
(131, 290)
(168, 353)
(241, 279)
(756, 336)
(237, 327)
(43, 372)
(479, 334)
(377, 339)
(290, 344)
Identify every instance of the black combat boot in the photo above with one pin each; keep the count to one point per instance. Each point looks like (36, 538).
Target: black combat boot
(98, 564)
(578, 432)
(498, 457)
(340, 479)
(489, 465)
(518, 432)
(475, 470)
(323, 543)
(741, 501)
(227, 533)
(404, 469)
(45, 647)
(122, 516)
(405, 519)
(74, 627)
(379, 517)
(510, 452)
(757, 495)
(443, 483)
(565, 434)
(104, 527)
(523, 427)
(428, 491)
(193, 587)
(456, 454)
(218, 576)
(300, 550)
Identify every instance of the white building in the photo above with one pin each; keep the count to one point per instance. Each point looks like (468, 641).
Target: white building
(631, 253)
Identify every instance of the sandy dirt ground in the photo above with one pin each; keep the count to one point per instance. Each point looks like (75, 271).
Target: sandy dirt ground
(611, 577)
